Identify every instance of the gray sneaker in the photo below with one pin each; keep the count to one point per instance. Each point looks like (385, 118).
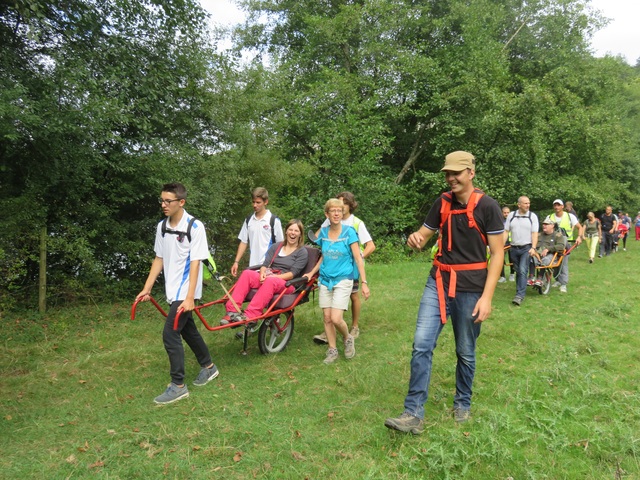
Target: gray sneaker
(321, 339)
(517, 301)
(461, 415)
(332, 356)
(406, 423)
(349, 347)
(173, 393)
(355, 332)
(555, 284)
(230, 317)
(205, 376)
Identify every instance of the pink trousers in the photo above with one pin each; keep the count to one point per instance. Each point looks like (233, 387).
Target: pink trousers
(250, 279)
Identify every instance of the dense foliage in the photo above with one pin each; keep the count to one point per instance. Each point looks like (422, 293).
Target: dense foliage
(102, 102)
(383, 90)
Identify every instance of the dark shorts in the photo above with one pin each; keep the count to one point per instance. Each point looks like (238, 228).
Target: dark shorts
(356, 286)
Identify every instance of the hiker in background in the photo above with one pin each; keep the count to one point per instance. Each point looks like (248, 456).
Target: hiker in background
(551, 241)
(637, 222)
(459, 285)
(609, 223)
(624, 224)
(571, 227)
(522, 225)
(259, 231)
(340, 257)
(568, 207)
(592, 234)
(366, 248)
(512, 272)
(180, 251)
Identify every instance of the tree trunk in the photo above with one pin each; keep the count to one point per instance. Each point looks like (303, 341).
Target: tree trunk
(416, 151)
(42, 291)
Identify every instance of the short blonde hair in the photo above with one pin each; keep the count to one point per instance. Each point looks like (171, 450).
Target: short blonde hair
(333, 203)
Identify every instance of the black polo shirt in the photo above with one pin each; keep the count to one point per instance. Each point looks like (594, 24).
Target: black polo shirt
(467, 244)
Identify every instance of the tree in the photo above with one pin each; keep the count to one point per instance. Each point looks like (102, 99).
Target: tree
(511, 81)
(102, 102)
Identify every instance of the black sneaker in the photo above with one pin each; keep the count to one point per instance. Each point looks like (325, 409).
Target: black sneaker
(251, 328)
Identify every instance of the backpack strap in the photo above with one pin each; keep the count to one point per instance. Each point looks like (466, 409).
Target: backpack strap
(445, 210)
(180, 234)
(356, 223)
(445, 213)
(272, 223)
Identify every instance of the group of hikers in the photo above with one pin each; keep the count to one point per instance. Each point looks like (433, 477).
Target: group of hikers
(460, 285)
(275, 258)
(529, 249)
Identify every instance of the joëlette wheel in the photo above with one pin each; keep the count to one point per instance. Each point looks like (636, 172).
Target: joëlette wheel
(275, 333)
(547, 278)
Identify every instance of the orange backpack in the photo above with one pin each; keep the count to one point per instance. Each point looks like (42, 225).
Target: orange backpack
(445, 213)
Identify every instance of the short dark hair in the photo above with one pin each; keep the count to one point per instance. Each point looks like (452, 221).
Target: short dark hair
(177, 189)
(349, 199)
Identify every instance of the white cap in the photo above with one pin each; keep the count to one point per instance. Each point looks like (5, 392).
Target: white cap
(557, 200)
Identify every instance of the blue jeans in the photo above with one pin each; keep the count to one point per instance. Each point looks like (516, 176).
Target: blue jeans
(520, 259)
(428, 328)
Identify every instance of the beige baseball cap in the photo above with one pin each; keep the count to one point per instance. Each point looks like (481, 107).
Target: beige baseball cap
(458, 161)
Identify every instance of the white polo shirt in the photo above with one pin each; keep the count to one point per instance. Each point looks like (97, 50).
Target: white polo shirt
(521, 227)
(177, 257)
(258, 235)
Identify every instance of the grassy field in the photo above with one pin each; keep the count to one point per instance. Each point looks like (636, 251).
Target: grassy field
(556, 394)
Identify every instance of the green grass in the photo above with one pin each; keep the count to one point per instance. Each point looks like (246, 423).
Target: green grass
(556, 393)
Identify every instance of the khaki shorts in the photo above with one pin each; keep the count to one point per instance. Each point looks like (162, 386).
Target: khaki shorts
(337, 298)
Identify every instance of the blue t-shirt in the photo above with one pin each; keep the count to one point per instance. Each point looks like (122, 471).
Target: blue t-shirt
(337, 258)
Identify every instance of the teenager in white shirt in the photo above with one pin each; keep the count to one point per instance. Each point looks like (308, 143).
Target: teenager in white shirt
(179, 254)
(258, 232)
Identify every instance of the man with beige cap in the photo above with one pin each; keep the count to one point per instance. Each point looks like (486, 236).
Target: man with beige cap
(459, 285)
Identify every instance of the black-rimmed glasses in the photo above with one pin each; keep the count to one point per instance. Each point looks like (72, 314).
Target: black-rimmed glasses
(168, 202)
